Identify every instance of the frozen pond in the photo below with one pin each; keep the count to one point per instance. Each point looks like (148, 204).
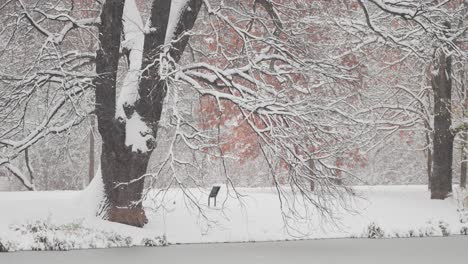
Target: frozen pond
(395, 251)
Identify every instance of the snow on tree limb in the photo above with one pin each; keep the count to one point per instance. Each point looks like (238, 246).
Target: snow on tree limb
(173, 18)
(43, 85)
(137, 134)
(133, 43)
(177, 7)
(305, 84)
(19, 174)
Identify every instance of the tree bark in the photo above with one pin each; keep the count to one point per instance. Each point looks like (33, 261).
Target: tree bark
(118, 163)
(122, 169)
(429, 167)
(463, 167)
(428, 156)
(91, 166)
(152, 89)
(463, 133)
(428, 152)
(441, 180)
(312, 182)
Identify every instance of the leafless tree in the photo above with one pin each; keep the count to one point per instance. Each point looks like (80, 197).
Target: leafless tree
(425, 29)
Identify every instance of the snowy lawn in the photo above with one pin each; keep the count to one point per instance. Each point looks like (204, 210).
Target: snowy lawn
(64, 219)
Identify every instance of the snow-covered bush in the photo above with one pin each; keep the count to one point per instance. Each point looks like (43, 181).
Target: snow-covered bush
(430, 229)
(410, 233)
(427, 230)
(4, 246)
(43, 235)
(154, 242)
(444, 228)
(374, 231)
(48, 236)
(464, 230)
(463, 215)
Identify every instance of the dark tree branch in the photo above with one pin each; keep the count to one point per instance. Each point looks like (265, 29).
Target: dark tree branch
(107, 61)
(152, 89)
(28, 165)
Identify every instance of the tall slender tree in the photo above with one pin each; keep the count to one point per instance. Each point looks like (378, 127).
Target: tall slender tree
(441, 178)
(464, 130)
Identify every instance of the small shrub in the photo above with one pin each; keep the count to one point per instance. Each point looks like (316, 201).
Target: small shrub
(7, 246)
(47, 236)
(430, 229)
(444, 228)
(3, 248)
(464, 230)
(154, 242)
(463, 216)
(118, 240)
(412, 233)
(374, 231)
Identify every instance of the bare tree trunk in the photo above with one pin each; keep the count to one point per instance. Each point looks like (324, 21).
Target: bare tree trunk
(312, 167)
(91, 167)
(429, 167)
(441, 180)
(463, 167)
(428, 158)
(118, 163)
(463, 133)
(428, 152)
(29, 166)
(123, 169)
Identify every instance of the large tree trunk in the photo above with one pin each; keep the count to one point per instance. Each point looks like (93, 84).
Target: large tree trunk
(118, 163)
(123, 166)
(441, 180)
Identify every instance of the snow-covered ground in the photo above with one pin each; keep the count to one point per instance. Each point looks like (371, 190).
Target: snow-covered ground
(63, 219)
